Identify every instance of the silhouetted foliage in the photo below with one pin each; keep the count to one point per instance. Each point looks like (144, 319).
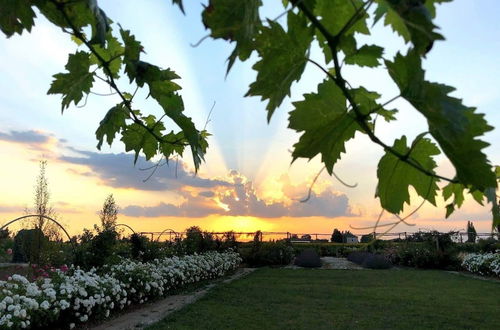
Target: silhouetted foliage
(337, 236)
(367, 238)
(267, 254)
(109, 213)
(308, 258)
(471, 232)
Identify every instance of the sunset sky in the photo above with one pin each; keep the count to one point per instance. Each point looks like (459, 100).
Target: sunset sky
(247, 182)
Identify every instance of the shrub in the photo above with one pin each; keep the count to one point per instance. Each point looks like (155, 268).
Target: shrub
(308, 258)
(376, 261)
(194, 240)
(28, 246)
(482, 245)
(72, 296)
(138, 243)
(366, 238)
(267, 254)
(97, 252)
(369, 260)
(423, 255)
(483, 264)
(328, 249)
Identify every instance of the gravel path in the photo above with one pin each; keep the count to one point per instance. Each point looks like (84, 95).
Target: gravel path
(151, 313)
(332, 263)
(338, 263)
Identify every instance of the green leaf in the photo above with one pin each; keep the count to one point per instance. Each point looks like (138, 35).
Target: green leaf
(179, 3)
(454, 126)
(334, 15)
(395, 176)
(412, 20)
(431, 6)
(237, 21)
(163, 90)
(76, 82)
(283, 59)
(78, 12)
(450, 208)
(133, 49)
(16, 16)
(174, 142)
(137, 138)
(367, 103)
(326, 124)
(111, 124)
(113, 51)
(495, 207)
(455, 189)
(368, 55)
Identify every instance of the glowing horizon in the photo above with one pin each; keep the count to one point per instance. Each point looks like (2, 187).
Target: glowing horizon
(247, 182)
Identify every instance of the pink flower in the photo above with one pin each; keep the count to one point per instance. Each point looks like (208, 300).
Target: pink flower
(64, 268)
(9, 251)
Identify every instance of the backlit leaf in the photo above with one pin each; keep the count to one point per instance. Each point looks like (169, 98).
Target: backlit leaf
(454, 126)
(395, 176)
(283, 59)
(368, 55)
(16, 16)
(76, 82)
(111, 124)
(326, 124)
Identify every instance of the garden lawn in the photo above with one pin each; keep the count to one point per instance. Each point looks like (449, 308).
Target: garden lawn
(344, 299)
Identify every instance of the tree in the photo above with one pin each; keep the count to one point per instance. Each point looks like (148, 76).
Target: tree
(108, 214)
(42, 206)
(326, 118)
(471, 232)
(337, 236)
(367, 238)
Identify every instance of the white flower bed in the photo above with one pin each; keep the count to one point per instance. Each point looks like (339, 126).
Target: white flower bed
(483, 264)
(75, 296)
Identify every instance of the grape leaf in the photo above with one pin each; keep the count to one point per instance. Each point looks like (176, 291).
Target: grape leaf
(455, 189)
(335, 14)
(326, 124)
(112, 53)
(412, 20)
(162, 89)
(78, 12)
(179, 3)
(237, 21)
(283, 59)
(77, 81)
(367, 55)
(431, 6)
(16, 16)
(367, 103)
(395, 176)
(453, 125)
(133, 49)
(111, 124)
(137, 138)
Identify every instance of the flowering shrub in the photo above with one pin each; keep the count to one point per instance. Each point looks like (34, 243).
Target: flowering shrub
(74, 296)
(483, 264)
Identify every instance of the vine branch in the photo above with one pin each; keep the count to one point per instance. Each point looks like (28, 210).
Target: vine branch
(360, 118)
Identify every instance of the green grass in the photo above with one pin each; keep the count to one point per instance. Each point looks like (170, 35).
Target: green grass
(337, 299)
